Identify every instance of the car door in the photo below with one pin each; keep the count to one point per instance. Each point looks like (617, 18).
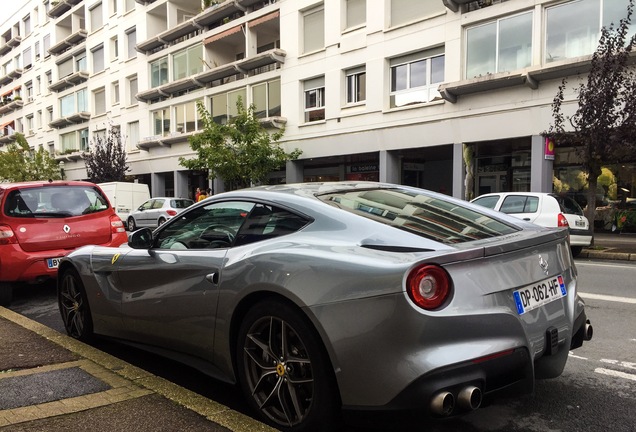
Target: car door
(170, 291)
(524, 207)
(141, 216)
(154, 212)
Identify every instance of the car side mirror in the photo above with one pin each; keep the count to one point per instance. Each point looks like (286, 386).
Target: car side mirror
(141, 239)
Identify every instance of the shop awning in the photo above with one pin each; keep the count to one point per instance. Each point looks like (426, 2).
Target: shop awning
(263, 19)
(4, 125)
(222, 35)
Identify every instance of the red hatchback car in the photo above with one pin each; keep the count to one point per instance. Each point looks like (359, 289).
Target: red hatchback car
(40, 222)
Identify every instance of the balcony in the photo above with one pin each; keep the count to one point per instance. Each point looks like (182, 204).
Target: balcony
(68, 42)
(7, 138)
(11, 106)
(73, 156)
(166, 37)
(78, 117)
(163, 140)
(145, 2)
(60, 8)
(69, 81)
(15, 73)
(12, 43)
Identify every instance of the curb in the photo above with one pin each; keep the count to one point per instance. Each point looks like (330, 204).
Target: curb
(209, 409)
(607, 254)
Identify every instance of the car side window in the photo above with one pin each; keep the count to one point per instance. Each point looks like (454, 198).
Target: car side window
(265, 222)
(146, 205)
(157, 204)
(488, 202)
(519, 204)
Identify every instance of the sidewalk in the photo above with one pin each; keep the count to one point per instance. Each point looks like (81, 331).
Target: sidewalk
(51, 382)
(612, 246)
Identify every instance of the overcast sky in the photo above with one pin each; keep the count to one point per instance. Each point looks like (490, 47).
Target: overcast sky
(9, 7)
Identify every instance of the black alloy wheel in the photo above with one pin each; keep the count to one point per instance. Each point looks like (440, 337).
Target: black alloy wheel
(284, 370)
(132, 226)
(73, 304)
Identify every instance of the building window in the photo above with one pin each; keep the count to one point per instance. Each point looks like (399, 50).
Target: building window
(83, 139)
(113, 6)
(159, 72)
(186, 117)
(415, 78)
(314, 99)
(38, 119)
(224, 105)
(49, 78)
(161, 122)
(29, 91)
(133, 136)
(133, 89)
(573, 29)
(49, 115)
(355, 13)
(187, 62)
(115, 92)
(499, 46)
(131, 37)
(313, 29)
(26, 58)
(99, 98)
(46, 44)
(266, 99)
(114, 48)
(98, 59)
(29, 125)
(130, 5)
(68, 142)
(36, 48)
(356, 85)
(97, 20)
(403, 11)
(27, 24)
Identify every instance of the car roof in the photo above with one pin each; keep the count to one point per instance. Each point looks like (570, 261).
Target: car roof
(40, 183)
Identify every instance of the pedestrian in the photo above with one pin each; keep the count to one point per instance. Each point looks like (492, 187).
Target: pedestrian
(197, 194)
(202, 196)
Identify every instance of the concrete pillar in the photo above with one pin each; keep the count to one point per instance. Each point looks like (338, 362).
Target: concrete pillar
(390, 171)
(294, 171)
(158, 185)
(181, 184)
(217, 185)
(541, 168)
(459, 171)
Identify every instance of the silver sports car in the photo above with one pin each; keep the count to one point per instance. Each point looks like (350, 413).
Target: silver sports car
(328, 296)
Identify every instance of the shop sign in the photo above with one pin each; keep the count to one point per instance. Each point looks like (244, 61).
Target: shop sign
(549, 149)
(363, 168)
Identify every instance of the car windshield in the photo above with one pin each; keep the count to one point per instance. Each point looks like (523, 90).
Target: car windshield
(424, 215)
(54, 201)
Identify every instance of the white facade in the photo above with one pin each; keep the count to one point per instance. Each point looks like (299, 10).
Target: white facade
(374, 89)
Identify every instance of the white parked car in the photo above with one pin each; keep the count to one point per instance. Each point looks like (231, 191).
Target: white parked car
(545, 209)
(156, 211)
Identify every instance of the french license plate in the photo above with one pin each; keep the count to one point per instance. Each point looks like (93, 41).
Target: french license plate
(539, 294)
(53, 262)
(579, 223)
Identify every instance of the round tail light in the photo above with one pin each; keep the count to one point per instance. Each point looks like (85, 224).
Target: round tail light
(428, 286)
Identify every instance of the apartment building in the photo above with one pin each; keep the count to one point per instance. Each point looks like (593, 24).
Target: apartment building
(449, 95)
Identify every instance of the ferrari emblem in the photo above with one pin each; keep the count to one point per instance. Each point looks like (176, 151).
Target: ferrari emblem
(115, 258)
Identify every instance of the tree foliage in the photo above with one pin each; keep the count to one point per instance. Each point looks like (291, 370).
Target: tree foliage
(106, 162)
(604, 125)
(241, 152)
(21, 163)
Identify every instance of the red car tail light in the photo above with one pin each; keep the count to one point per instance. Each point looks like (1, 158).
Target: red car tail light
(116, 225)
(562, 221)
(171, 212)
(7, 236)
(428, 286)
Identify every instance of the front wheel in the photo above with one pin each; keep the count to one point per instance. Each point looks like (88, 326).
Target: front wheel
(132, 226)
(284, 371)
(73, 304)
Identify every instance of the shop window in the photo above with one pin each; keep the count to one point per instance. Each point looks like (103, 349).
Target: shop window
(498, 46)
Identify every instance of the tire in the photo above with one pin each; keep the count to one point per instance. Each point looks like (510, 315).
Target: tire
(576, 250)
(74, 307)
(132, 226)
(306, 397)
(161, 221)
(6, 294)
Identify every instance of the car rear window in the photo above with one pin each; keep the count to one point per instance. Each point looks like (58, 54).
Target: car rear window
(426, 216)
(181, 203)
(54, 201)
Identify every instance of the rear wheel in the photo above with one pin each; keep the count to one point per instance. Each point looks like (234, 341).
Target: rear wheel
(132, 226)
(284, 370)
(576, 250)
(161, 221)
(6, 293)
(73, 304)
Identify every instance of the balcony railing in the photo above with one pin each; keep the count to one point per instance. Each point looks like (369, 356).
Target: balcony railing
(11, 106)
(75, 118)
(69, 81)
(68, 42)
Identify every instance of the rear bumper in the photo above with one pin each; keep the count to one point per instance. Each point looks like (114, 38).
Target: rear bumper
(580, 237)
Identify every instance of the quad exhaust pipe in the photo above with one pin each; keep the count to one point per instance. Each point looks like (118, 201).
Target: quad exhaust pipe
(468, 399)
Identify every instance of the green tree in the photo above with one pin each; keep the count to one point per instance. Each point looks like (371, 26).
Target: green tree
(604, 125)
(21, 163)
(241, 152)
(106, 162)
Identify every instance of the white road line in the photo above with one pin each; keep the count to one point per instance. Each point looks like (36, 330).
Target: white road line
(628, 365)
(616, 374)
(578, 357)
(608, 298)
(599, 264)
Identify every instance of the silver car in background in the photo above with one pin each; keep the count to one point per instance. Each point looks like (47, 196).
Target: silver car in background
(320, 297)
(156, 211)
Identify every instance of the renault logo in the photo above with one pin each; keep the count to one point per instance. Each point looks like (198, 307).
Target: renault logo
(543, 264)
(67, 229)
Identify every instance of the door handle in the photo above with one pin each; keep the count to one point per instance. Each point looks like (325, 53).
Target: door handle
(212, 278)
(526, 219)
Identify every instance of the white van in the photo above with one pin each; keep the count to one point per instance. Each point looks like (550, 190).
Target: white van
(125, 197)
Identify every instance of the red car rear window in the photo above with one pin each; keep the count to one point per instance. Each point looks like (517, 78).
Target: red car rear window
(54, 201)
